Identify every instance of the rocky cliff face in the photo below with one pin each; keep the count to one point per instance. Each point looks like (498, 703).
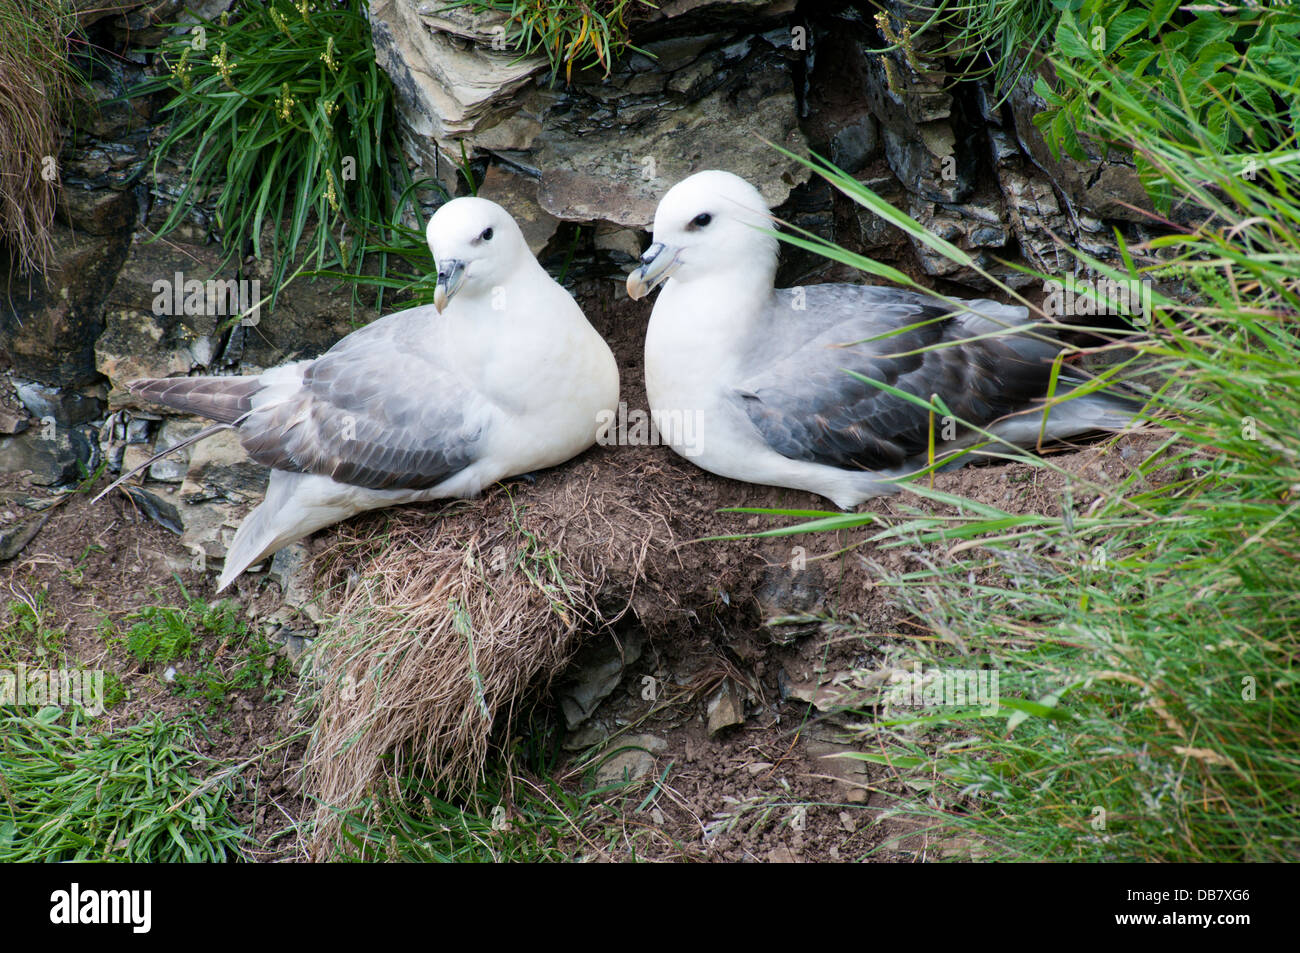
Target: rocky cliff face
(710, 85)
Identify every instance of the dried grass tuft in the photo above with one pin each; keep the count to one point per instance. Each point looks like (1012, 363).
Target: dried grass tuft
(436, 644)
(35, 89)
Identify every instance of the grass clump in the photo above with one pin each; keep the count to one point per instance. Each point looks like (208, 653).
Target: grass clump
(228, 658)
(591, 34)
(125, 795)
(514, 814)
(36, 84)
(291, 122)
(524, 808)
(161, 634)
(26, 630)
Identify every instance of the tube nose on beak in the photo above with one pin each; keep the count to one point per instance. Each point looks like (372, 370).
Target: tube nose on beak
(657, 265)
(451, 275)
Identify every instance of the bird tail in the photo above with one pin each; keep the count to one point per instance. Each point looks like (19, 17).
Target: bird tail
(224, 399)
(227, 400)
(1072, 417)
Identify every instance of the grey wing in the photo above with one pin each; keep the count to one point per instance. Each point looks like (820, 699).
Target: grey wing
(807, 406)
(379, 412)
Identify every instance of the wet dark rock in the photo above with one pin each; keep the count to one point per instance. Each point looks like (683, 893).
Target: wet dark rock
(1103, 185)
(14, 537)
(855, 144)
(67, 407)
(49, 329)
(594, 674)
(12, 421)
(106, 152)
(900, 97)
(693, 14)
(97, 211)
(810, 208)
(55, 455)
(90, 12)
(162, 512)
(142, 24)
(976, 228)
(928, 162)
(623, 245)
(1034, 210)
(875, 232)
(295, 636)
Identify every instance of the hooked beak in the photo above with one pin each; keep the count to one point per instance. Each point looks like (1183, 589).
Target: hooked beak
(657, 265)
(451, 275)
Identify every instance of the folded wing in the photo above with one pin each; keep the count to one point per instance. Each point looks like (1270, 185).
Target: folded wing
(806, 404)
(380, 410)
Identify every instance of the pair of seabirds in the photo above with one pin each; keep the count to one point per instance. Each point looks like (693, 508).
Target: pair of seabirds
(503, 376)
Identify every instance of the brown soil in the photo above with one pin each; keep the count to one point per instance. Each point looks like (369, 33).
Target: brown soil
(636, 518)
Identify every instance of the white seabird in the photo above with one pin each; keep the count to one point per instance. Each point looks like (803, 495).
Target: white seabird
(753, 383)
(503, 375)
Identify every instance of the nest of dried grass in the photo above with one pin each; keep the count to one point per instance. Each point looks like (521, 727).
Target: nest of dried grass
(444, 620)
(437, 642)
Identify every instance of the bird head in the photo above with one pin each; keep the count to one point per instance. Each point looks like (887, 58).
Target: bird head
(477, 246)
(706, 224)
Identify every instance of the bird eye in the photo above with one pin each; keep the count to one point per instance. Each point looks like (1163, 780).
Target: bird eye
(699, 221)
(486, 236)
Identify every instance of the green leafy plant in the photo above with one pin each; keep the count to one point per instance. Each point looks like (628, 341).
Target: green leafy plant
(228, 658)
(168, 633)
(128, 795)
(291, 123)
(241, 662)
(26, 629)
(1228, 71)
